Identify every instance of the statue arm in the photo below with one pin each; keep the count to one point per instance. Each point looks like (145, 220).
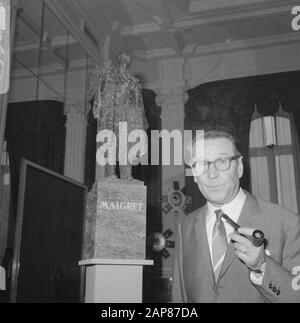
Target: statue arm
(138, 95)
(101, 85)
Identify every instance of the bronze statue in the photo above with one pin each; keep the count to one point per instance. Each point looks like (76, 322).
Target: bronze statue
(119, 99)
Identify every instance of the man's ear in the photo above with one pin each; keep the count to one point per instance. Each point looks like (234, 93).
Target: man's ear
(240, 167)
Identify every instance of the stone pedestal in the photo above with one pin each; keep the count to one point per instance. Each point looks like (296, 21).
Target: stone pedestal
(116, 220)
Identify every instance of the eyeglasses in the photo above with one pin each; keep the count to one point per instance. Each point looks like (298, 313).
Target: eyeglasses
(200, 167)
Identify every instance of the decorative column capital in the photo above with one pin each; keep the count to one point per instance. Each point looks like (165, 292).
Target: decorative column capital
(76, 111)
(172, 103)
(16, 4)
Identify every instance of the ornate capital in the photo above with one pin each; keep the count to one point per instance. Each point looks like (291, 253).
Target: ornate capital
(172, 104)
(16, 4)
(76, 111)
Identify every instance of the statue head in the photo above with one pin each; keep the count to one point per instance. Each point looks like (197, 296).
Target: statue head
(124, 58)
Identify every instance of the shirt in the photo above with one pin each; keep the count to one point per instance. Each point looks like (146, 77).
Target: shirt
(233, 210)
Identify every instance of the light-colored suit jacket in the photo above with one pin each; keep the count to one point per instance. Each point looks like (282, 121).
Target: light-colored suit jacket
(193, 278)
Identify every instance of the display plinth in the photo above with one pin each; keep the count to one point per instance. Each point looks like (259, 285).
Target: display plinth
(114, 250)
(114, 280)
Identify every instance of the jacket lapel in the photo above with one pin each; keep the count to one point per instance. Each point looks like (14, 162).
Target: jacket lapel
(248, 218)
(203, 248)
(250, 212)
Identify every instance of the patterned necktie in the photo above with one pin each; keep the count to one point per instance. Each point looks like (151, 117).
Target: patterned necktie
(219, 243)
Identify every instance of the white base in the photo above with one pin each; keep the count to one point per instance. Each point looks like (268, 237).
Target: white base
(114, 280)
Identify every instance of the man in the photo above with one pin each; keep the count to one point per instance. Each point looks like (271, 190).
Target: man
(214, 263)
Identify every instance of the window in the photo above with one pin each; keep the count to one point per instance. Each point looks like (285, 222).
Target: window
(273, 153)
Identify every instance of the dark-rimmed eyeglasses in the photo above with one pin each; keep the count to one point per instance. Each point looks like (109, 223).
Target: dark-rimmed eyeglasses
(200, 167)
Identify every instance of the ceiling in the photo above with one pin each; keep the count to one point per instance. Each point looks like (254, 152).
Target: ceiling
(153, 29)
(170, 28)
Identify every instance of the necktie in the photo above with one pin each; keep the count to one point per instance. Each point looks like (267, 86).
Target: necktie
(219, 243)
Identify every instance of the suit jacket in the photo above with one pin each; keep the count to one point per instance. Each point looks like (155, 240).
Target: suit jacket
(193, 278)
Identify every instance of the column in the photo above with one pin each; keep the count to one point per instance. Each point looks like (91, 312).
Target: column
(172, 117)
(76, 111)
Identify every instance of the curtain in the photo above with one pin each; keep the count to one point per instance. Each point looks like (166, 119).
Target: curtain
(34, 131)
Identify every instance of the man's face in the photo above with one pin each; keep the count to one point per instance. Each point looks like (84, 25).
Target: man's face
(220, 187)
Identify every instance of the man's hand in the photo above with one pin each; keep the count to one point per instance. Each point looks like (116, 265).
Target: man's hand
(252, 256)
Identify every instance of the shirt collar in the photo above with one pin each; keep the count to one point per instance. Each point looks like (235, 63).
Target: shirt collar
(232, 209)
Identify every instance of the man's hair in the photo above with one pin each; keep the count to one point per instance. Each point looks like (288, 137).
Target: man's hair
(220, 133)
